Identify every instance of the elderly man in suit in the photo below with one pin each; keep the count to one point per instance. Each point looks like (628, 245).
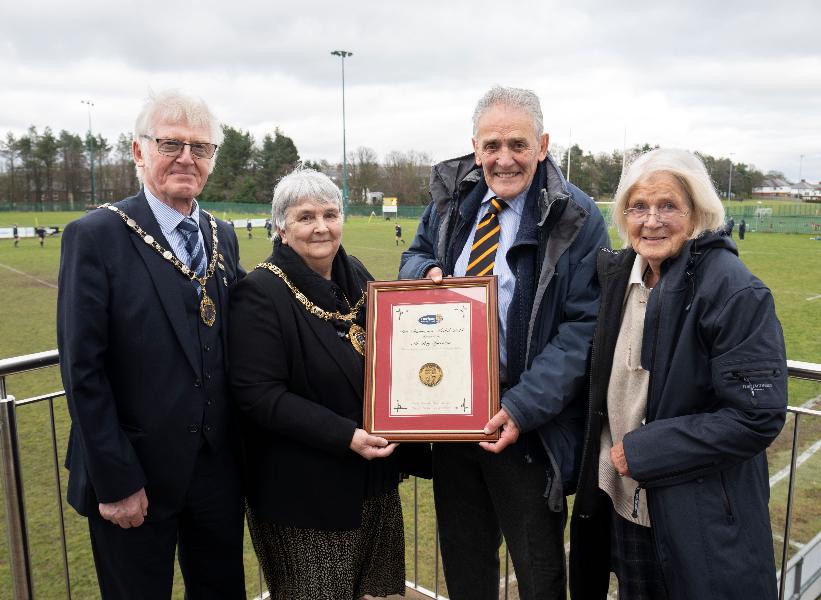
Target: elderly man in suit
(141, 326)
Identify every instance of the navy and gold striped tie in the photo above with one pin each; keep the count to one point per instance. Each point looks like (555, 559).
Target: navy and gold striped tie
(486, 240)
(196, 255)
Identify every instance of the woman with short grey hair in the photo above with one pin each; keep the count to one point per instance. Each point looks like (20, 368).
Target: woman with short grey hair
(688, 387)
(298, 185)
(323, 506)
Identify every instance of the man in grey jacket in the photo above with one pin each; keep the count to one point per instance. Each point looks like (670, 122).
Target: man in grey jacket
(539, 236)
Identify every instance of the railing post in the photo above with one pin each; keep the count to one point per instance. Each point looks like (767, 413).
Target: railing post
(796, 590)
(19, 558)
(782, 584)
(416, 532)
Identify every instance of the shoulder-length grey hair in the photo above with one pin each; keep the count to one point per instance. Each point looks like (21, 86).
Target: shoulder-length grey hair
(172, 106)
(514, 97)
(689, 171)
(302, 184)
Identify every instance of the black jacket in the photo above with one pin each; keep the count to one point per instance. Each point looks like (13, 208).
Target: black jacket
(717, 396)
(299, 387)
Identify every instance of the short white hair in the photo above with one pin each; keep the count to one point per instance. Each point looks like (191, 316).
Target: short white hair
(686, 168)
(172, 106)
(302, 184)
(522, 99)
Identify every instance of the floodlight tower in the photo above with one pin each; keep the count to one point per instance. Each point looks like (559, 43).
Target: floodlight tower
(343, 54)
(89, 104)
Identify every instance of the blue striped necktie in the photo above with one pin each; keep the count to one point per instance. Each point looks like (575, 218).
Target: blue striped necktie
(486, 240)
(196, 254)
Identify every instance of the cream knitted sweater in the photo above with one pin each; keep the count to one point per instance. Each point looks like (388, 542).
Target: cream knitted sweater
(626, 399)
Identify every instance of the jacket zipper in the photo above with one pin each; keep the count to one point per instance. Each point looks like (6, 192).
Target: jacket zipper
(754, 372)
(727, 506)
(660, 289)
(636, 502)
(450, 225)
(745, 377)
(457, 224)
(643, 484)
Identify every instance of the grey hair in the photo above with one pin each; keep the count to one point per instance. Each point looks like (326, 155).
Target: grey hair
(302, 184)
(519, 98)
(688, 169)
(172, 106)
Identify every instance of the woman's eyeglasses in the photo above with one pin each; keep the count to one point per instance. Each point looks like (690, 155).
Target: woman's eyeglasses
(664, 213)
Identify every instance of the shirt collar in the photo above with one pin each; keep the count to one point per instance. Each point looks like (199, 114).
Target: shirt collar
(637, 273)
(516, 204)
(167, 217)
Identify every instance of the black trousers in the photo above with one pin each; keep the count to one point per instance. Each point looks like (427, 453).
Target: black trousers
(481, 496)
(138, 563)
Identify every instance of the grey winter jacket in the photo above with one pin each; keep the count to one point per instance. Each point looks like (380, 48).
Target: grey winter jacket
(717, 396)
(552, 314)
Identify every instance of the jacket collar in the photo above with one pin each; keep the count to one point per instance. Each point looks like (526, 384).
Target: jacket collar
(454, 178)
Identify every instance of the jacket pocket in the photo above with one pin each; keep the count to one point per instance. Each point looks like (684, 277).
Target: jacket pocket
(753, 380)
(758, 384)
(725, 497)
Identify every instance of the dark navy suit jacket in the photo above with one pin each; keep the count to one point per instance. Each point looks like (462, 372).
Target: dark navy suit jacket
(130, 360)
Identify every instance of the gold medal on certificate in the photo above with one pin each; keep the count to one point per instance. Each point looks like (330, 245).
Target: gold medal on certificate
(430, 374)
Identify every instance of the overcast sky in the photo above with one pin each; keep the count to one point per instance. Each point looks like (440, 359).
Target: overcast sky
(723, 77)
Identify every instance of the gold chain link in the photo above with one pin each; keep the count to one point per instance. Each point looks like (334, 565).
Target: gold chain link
(313, 308)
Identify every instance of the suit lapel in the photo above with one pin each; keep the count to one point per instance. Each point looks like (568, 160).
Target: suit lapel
(166, 278)
(328, 337)
(219, 275)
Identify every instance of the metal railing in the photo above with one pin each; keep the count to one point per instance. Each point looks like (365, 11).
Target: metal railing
(11, 472)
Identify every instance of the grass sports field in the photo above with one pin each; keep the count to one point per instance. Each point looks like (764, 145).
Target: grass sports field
(789, 264)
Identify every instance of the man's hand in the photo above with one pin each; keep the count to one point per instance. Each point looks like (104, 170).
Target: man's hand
(435, 274)
(620, 460)
(128, 512)
(509, 435)
(370, 446)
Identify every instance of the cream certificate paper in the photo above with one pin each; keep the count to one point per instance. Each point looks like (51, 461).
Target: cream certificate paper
(430, 360)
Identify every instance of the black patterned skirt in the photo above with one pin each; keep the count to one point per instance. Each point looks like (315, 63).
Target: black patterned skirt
(312, 564)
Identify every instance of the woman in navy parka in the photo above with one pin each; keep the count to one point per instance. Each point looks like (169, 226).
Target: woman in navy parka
(688, 389)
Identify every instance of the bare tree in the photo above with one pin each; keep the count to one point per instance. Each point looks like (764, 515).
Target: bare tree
(364, 172)
(407, 175)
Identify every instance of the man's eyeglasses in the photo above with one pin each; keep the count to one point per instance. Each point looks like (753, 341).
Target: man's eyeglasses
(664, 213)
(175, 147)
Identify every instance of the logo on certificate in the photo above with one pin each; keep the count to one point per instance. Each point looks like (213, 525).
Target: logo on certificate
(431, 319)
(430, 374)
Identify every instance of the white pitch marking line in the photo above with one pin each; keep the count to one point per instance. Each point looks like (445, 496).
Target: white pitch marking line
(780, 538)
(816, 297)
(24, 274)
(784, 473)
(811, 402)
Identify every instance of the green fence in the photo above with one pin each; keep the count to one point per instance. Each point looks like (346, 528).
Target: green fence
(773, 218)
(790, 217)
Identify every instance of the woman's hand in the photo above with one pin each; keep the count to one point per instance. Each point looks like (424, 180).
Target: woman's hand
(620, 460)
(370, 446)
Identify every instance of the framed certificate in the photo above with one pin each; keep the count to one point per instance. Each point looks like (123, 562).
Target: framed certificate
(432, 359)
